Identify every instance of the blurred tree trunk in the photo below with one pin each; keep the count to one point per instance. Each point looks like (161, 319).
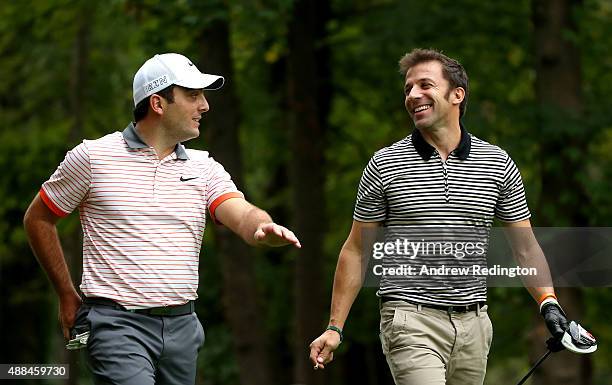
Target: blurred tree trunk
(309, 100)
(79, 68)
(563, 138)
(240, 298)
(72, 241)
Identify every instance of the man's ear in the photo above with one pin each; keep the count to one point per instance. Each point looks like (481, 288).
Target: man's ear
(458, 95)
(156, 104)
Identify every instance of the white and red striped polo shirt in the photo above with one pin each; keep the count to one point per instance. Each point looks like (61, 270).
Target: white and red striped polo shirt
(143, 218)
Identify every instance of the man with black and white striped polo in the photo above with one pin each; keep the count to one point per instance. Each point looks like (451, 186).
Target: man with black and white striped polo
(142, 198)
(438, 177)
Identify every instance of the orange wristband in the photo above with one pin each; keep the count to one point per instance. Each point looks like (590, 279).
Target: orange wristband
(546, 295)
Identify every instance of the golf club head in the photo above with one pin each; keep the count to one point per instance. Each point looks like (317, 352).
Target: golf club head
(576, 339)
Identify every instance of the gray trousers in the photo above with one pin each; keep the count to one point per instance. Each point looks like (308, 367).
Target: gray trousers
(127, 348)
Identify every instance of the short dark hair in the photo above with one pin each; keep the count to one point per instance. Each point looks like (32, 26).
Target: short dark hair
(141, 110)
(452, 70)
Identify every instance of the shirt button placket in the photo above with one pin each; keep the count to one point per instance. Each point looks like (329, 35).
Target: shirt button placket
(445, 173)
(446, 189)
(157, 163)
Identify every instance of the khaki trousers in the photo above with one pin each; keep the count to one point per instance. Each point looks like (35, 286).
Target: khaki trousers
(426, 346)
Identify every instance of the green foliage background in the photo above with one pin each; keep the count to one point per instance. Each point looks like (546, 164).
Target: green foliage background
(40, 98)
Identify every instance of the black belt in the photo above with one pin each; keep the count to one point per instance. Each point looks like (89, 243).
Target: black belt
(448, 309)
(169, 311)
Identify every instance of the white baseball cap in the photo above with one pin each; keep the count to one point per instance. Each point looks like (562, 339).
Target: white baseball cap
(167, 69)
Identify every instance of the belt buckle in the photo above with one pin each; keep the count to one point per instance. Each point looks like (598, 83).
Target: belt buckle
(458, 309)
(160, 311)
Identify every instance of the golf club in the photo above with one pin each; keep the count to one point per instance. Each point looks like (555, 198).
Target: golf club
(575, 339)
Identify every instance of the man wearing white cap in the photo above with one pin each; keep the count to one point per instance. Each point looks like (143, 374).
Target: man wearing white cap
(142, 198)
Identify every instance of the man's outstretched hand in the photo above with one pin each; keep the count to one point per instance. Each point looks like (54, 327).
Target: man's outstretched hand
(274, 235)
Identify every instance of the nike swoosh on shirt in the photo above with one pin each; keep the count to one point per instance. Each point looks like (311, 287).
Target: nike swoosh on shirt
(183, 179)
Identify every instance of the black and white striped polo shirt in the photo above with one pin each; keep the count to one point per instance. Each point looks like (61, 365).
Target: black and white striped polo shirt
(408, 185)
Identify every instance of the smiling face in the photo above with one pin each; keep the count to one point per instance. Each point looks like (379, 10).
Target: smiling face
(181, 118)
(430, 101)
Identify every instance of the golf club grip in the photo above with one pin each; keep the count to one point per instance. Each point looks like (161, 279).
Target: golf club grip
(533, 368)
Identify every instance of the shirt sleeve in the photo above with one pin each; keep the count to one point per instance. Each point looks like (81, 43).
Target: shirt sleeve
(220, 188)
(512, 204)
(69, 184)
(371, 204)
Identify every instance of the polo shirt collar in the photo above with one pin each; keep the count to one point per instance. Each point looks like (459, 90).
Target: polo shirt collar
(426, 150)
(133, 140)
